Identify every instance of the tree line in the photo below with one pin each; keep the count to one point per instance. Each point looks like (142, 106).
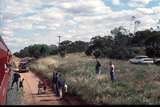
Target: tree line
(123, 45)
(120, 44)
(36, 51)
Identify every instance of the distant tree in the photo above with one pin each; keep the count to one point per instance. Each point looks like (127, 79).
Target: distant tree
(78, 46)
(65, 45)
(89, 50)
(44, 50)
(121, 38)
(140, 37)
(152, 45)
(122, 53)
(53, 50)
(16, 54)
(62, 53)
(97, 41)
(97, 53)
(36, 51)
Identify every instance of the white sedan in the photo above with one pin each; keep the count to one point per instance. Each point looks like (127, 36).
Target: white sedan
(142, 60)
(147, 61)
(157, 61)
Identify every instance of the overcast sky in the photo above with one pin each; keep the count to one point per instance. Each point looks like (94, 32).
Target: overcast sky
(26, 22)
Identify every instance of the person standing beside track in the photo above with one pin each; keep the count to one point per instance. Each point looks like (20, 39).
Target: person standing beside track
(54, 81)
(61, 85)
(44, 85)
(98, 67)
(112, 71)
(40, 86)
(15, 79)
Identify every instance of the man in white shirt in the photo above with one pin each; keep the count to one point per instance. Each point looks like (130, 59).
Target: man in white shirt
(112, 71)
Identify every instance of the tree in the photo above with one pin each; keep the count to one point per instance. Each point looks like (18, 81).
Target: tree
(65, 45)
(121, 38)
(78, 46)
(122, 53)
(89, 50)
(36, 51)
(44, 50)
(152, 45)
(140, 38)
(97, 53)
(62, 53)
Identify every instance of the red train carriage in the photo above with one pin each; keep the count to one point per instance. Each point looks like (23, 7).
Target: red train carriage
(5, 56)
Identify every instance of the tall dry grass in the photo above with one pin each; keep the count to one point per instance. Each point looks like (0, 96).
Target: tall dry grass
(136, 84)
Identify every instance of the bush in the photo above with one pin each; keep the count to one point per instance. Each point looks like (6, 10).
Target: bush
(97, 53)
(138, 50)
(62, 53)
(122, 53)
(37, 51)
(88, 52)
(152, 45)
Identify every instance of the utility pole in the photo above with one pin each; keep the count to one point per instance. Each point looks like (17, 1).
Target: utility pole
(136, 23)
(61, 50)
(59, 37)
(59, 40)
(132, 19)
(158, 23)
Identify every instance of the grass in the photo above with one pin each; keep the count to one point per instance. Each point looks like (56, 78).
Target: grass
(136, 84)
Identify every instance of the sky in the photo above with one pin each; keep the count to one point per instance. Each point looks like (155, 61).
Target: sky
(28, 22)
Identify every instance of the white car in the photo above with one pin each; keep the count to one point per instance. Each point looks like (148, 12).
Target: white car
(141, 59)
(147, 61)
(157, 61)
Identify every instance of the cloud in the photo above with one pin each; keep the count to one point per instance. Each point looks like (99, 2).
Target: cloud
(41, 21)
(138, 3)
(145, 10)
(156, 10)
(115, 2)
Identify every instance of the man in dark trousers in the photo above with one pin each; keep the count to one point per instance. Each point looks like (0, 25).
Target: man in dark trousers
(15, 79)
(54, 80)
(98, 65)
(60, 86)
(112, 71)
(56, 83)
(44, 85)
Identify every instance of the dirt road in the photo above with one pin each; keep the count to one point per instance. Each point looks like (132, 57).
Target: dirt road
(30, 96)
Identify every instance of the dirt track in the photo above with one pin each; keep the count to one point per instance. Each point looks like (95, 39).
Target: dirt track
(30, 96)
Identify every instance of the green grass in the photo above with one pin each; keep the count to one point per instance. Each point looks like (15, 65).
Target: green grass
(136, 84)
